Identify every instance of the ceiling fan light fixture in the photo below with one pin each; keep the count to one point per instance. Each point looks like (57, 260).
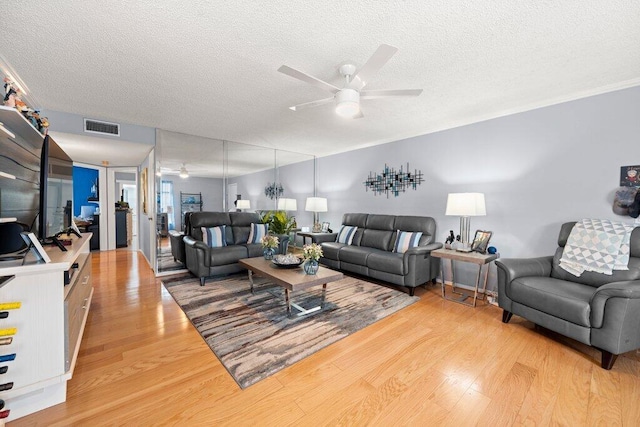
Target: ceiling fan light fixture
(183, 172)
(348, 103)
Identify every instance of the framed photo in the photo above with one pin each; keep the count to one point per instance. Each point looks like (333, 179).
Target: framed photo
(481, 241)
(34, 244)
(325, 227)
(629, 176)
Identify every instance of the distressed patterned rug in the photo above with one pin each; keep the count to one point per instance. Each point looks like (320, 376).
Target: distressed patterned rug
(166, 261)
(252, 335)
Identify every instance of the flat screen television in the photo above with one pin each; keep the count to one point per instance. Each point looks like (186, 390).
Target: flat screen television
(56, 190)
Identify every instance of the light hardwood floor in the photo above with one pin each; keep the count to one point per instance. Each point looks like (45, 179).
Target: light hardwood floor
(433, 363)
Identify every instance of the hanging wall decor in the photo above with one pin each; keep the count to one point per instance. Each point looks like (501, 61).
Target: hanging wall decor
(390, 181)
(273, 190)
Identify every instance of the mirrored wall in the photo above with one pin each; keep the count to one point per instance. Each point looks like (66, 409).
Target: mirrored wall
(213, 175)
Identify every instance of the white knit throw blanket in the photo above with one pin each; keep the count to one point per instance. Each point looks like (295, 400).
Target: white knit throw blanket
(598, 245)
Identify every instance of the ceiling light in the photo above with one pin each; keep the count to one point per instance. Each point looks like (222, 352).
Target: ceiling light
(7, 131)
(348, 103)
(183, 172)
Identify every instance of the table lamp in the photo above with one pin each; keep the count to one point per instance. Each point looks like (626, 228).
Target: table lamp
(315, 205)
(243, 204)
(287, 204)
(465, 205)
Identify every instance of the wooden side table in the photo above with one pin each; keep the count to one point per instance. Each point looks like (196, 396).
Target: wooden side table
(471, 257)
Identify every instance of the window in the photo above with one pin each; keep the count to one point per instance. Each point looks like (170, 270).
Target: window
(166, 202)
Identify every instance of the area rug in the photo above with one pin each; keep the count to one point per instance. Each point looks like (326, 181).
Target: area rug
(166, 261)
(251, 334)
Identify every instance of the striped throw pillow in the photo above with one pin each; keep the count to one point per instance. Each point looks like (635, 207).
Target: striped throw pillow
(406, 240)
(214, 237)
(257, 232)
(346, 234)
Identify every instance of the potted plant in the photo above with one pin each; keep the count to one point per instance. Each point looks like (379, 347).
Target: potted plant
(269, 245)
(280, 225)
(311, 253)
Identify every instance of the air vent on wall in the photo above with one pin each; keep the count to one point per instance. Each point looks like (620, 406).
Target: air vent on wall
(103, 128)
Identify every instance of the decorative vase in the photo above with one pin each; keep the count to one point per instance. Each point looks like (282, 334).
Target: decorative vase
(268, 253)
(311, 266)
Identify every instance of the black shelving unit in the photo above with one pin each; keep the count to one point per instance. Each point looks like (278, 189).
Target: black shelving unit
(189, 202)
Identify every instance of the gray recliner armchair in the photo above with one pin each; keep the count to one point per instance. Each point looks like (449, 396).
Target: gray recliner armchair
(599, 310)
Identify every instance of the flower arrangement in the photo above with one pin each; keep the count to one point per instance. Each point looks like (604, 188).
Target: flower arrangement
(312, 251)
(269, 241)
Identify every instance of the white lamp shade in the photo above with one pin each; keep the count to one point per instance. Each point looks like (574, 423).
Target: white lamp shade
(243, 204)
(316, 204)
(287, 204)
(466, 204)
(348, 103)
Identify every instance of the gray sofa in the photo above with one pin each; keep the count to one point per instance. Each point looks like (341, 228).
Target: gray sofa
(205, 262)
(596, 309)
(370, 253)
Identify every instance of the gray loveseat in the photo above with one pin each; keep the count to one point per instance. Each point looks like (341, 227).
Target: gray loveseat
(370, 252)
(204, 261)
(596, 309)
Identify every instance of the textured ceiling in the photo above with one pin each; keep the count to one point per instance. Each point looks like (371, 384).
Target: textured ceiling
(208, 68)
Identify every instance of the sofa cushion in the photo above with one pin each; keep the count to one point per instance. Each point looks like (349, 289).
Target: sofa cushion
(559, 298)
(257, 232)
(389, 262)
(425, 224)
(254, 249)
(214, 237)
(355, 254)
(206, 219)
(331, 250)
(378, 239)
(355, 219)
(227, 255)
(406, 240)
(346, 233)
(241, 225)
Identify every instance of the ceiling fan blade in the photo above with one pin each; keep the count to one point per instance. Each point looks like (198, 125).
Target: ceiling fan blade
(370, 94)
(311, 104)
(380, 57)
(308, 79)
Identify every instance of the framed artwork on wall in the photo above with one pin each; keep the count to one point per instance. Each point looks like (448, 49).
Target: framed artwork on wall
(143, 190)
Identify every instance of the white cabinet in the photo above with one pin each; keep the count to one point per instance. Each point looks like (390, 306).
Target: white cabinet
(49, 323)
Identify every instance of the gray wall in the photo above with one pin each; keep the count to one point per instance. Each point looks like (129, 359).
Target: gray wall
(211, 189)
(537, 169)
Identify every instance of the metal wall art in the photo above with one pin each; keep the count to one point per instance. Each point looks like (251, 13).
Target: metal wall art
(390, 181)
(273, 190)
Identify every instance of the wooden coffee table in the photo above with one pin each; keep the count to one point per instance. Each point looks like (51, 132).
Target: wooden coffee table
(291, 280)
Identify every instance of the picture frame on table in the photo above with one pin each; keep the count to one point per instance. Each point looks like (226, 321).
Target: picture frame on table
(481, 241)
(34, 244)
(325, 227)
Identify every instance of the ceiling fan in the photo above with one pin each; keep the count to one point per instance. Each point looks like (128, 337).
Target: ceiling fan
(347, 98)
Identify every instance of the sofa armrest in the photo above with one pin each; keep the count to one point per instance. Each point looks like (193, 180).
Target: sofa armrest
(200, 247)
(510, 269)
(629, 289)
(423, 250)
(331, 237)
(524, 267)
